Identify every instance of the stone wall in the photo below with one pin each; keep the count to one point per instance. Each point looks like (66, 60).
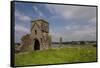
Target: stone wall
(40, 31)
(26, 43)
(38, 39)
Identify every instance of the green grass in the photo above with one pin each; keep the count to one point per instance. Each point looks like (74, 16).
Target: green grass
(58, 55)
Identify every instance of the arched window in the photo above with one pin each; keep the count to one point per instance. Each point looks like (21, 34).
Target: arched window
(35, 32)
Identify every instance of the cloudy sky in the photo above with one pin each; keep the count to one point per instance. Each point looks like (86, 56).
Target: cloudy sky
(72, 23)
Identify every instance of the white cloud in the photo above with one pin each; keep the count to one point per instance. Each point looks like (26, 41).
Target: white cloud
(93, 20)
(21, 16)
(72, 27)
(22, 29)
(85, 31)
(40, 14)
(80, 33)
(25, 18)
(80, 27)
(63, 10)
(73, 12)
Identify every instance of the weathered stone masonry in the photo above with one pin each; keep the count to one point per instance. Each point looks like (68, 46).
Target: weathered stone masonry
(39, 39)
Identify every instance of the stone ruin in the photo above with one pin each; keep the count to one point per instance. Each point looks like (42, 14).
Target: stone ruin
(38, 39)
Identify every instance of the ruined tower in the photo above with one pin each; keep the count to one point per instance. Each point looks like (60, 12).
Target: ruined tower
(40, 34)
(38, 39)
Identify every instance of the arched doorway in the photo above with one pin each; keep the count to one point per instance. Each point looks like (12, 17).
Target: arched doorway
(36, 45)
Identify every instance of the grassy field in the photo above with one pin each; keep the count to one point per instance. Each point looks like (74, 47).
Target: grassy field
(57, 55)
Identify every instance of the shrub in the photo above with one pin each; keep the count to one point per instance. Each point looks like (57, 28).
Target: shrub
(94, 45)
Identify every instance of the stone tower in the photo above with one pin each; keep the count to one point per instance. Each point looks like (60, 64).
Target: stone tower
(38, 39)
(40, 34)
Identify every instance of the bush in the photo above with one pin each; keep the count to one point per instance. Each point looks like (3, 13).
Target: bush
(94, 45)
(82, 42)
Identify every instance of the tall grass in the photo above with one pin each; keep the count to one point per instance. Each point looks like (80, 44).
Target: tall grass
(57, 55)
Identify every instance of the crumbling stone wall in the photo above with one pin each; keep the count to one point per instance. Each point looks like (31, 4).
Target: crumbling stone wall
(26, 43)
(38, 39)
